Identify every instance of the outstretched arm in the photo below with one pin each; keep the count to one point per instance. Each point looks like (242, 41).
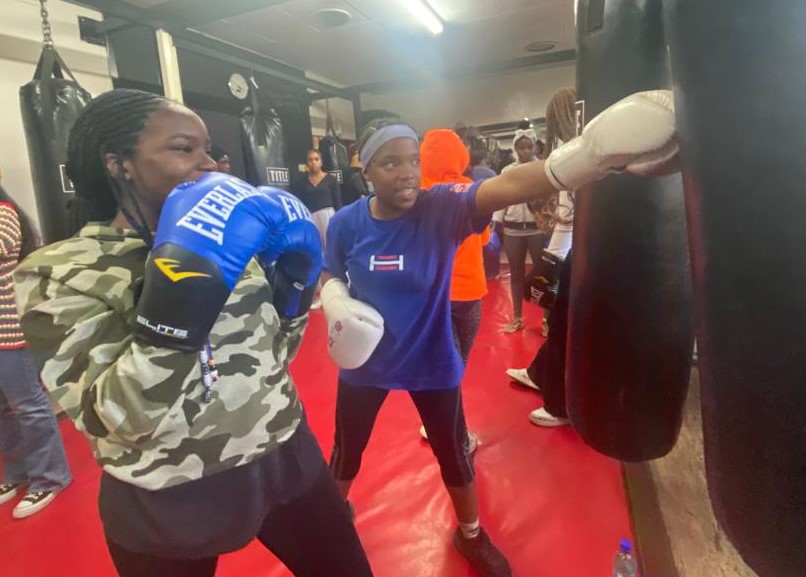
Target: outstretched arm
(637, 134)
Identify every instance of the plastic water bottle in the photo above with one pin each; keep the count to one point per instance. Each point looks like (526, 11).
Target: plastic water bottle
(623, 563)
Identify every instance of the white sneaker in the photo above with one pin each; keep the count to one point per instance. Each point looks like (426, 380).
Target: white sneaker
(8, 491)
(522, 376)
(542, 418)
(472, 439)
(33, 503)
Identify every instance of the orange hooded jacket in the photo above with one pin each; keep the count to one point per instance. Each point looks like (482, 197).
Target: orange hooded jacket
(444, 159)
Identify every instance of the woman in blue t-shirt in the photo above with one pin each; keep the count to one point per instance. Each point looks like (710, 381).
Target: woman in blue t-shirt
(395, 249)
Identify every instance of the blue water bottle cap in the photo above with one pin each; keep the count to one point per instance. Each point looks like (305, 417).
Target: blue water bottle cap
(626, 546)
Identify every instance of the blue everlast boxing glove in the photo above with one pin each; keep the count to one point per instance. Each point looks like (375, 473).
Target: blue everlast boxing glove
(207, 233)
(294, 262)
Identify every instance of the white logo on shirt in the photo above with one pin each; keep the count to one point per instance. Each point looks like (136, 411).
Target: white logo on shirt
(383, 262)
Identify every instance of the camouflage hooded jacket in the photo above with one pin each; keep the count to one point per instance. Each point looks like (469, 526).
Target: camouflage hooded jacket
(141, 406)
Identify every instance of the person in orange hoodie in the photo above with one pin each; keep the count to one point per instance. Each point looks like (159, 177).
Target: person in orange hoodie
(444, 158)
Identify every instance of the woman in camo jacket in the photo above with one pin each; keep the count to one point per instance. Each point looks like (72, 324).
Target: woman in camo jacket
(186, 476)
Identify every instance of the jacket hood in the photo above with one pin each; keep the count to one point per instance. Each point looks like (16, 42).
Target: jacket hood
(443, 158)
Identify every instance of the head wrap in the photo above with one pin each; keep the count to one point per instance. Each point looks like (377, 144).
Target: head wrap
(528, 133)
(381, 137)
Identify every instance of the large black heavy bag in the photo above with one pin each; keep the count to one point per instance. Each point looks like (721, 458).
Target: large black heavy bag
(263, 143)
(630, 323)
(49, 104)
(742, 127)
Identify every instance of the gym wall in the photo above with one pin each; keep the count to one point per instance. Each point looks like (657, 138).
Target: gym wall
(20, 46)
(503, 98)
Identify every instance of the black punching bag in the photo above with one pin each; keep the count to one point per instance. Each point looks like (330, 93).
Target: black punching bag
(740, 80)
(263, 143)
(334, 154)
(50, 104)
(630, 325)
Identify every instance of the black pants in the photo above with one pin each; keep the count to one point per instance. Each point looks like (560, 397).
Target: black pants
(517, 247)
(312, 535)
(441, 412)
(548, 367)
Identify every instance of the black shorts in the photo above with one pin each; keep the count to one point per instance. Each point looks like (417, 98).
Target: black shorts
(441, 412)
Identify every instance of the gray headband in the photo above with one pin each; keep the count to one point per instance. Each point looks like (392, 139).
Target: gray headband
(381, 137)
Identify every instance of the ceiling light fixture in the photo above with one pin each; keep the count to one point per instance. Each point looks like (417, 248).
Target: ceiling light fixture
(541, 46)
(425, 14)
(330, 18)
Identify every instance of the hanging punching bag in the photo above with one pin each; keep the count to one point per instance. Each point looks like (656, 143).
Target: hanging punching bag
(335, 160)
(630, 328)
(49, 105)
(263, 143)
(738, 70)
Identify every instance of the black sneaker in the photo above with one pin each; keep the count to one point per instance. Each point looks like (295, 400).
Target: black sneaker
(33, 503)
(8, 491)
(484, 557)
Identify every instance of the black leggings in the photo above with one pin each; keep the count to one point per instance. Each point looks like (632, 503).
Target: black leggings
(465, 321)
(441, 412)
(312, 535)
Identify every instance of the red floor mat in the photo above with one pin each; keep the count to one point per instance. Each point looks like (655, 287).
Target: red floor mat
(554, 506)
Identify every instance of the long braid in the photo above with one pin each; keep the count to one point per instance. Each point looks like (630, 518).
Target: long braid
(560, 126)
(111, 123)
(560, 118)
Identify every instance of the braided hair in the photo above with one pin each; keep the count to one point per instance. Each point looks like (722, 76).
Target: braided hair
(111, 123)
(561, 118)
(560, 125)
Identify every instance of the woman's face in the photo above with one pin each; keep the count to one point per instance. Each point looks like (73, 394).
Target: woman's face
(525, 149)
(172, 149)
(224, 164)
(314, 162)
(395, 175)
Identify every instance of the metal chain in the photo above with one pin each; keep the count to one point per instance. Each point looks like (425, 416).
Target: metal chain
(46, 31)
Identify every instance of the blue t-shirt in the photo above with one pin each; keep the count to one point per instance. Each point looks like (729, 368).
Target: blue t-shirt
(402, 267)
(481, 172)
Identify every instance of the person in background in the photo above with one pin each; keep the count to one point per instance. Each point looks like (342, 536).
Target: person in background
(356, 185)
(30, 442)
(503, 158)
(540, 149)
(479, 170)
(479, 167)
(521, 233)
(321, 194)
(546, 372)
(444, 159)
(221, 158)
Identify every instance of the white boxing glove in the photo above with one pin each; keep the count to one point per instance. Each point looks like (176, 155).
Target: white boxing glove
(354, 328)
(636, 134)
